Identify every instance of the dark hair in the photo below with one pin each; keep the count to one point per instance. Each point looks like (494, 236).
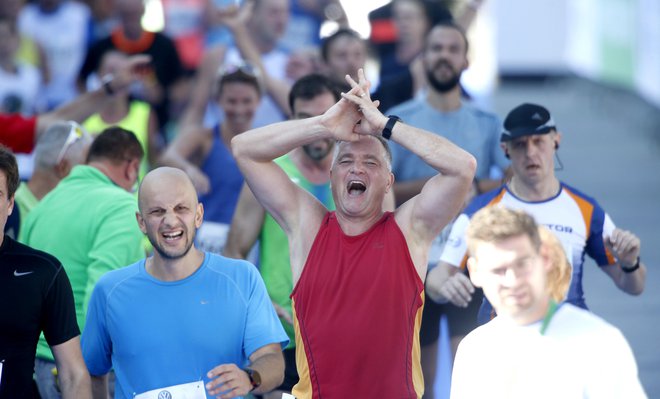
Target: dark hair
(450, 25)
(115, 144)
(313, 85)
(9, 166)
(245, 74)
(327, 42)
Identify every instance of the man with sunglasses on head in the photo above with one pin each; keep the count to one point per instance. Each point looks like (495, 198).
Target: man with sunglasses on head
(36, 297)
(531, 139)
(88, 223)
(63, 146)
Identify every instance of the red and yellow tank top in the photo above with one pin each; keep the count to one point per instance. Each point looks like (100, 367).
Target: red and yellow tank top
(357, 309)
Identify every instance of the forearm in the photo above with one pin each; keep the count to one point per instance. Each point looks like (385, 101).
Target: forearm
(100, 387)
(77, 110)
(270, 142)
(271, 369)
(438, 152)
(75, 384)
(633, 283)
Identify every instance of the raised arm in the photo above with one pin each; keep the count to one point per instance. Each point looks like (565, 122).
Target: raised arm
(246, 225)
(236, 19)
(180, 154)
(297, 212)
(91, 102)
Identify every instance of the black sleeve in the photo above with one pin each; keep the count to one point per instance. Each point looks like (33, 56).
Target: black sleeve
(92, 60)
(59, 311)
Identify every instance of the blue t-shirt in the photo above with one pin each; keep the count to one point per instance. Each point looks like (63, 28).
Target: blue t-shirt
(473, 130)
(157, 334)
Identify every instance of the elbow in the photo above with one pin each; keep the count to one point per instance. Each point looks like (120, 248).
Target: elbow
(469, 167)
(238, 147)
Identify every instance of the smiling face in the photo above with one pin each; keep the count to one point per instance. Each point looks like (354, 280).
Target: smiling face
(360, 177)
(169, 212)
(239, 102)
(445, 57)
(532, 157)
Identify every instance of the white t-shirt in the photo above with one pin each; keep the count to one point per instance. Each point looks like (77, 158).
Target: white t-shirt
(579, 356)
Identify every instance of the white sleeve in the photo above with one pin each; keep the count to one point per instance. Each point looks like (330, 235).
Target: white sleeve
(456, 246)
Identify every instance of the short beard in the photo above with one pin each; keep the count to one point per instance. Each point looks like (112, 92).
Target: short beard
(166, 255)
(440, 86)
(315, 154)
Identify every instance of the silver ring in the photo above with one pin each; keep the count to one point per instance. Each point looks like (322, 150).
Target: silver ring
(363, 94)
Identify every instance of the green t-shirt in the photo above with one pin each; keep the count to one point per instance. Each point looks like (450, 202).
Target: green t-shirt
(25, 201)
(274, 261)
(88, 223)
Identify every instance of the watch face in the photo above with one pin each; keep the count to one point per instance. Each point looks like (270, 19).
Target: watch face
(255, 377)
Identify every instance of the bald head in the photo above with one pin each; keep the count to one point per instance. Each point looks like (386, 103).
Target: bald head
(164, 181)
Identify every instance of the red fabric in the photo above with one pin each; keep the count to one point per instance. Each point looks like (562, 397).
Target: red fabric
(356, 306)
(18, 132)
(383, 31)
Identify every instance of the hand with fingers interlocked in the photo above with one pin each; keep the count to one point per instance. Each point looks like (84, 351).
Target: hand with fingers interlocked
(355, 114)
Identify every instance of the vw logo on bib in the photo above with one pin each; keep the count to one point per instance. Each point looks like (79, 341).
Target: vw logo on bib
(164, 395)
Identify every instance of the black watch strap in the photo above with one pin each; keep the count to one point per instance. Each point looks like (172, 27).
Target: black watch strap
(387, 130)
(255, 378)
(631, 268)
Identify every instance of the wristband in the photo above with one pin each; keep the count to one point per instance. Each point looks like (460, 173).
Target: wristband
(631, 268)
(255, 378)
(106, 80)
(387, 130)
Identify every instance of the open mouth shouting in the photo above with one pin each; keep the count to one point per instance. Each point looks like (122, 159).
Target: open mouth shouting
(356, 188)
(172, 236)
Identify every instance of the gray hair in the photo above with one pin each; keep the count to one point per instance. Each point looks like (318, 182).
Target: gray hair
(51, 143)
(386, 147)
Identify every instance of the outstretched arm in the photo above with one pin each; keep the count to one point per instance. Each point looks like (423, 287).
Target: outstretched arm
(91, 102)
(236, 19)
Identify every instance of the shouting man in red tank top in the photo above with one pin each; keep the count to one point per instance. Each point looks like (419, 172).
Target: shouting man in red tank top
(358, 272)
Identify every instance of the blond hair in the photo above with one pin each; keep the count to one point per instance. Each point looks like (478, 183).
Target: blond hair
(559, 276)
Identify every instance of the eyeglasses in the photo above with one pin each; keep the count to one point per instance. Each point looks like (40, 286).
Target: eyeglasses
(76, 132)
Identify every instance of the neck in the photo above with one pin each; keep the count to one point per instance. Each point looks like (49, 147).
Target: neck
(533, 315)
(356, 225)
(42, 182)
(444, 102)
(539, 191)
(166, 269)
(406, 52)
(317, 172)
(111, 171)
(264, 45)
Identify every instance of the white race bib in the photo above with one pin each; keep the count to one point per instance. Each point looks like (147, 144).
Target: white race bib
(191, 390)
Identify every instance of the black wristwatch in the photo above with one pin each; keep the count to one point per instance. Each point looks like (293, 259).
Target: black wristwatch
(631, 268)
(255, 378)
(387, 130)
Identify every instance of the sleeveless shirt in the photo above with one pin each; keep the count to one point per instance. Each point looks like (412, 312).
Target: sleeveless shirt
(357, 310)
